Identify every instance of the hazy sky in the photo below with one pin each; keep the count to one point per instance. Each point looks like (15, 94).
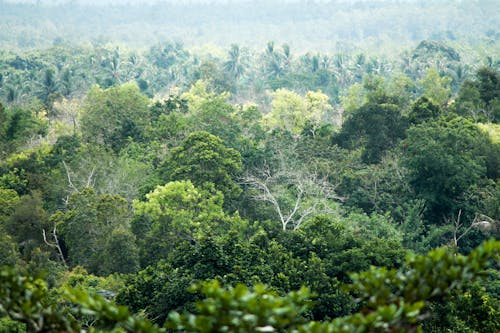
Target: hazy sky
(101, 2)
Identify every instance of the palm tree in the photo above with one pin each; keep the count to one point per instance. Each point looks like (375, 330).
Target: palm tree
(234, 65)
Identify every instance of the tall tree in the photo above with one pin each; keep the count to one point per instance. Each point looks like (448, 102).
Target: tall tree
(203, 159)
(114, 115)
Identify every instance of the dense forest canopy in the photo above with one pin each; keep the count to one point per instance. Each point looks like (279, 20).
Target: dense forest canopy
(249, 166)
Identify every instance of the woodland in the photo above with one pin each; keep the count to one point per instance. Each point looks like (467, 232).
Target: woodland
(347, 182)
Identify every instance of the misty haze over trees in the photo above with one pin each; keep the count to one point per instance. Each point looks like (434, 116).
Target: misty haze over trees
(328, 26)
(250, 166)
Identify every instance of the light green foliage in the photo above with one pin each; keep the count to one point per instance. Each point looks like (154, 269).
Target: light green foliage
(199, 94)
(287, 112)
(179, 212)
(373, 226)
(376, 89)
(493, 131)
(436, 87)
(216, 116)
(111, 116)
(79, 278)
(291, 112)
(317, 109)
(8, 201)
(179, 203)
(25, 299)
(242, 309)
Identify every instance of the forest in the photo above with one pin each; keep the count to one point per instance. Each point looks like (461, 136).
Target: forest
(238, 166)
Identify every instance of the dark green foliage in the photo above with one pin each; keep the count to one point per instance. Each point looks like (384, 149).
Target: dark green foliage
(9, 253)
(26, 223)
(422, 110)
(472, 311)
(18, 125)
(480, 98)
(374, 127)
(203, 159)
(432, 48)
(395, 300)
(444, 162)
(95, 233)
(154, 197)
(488, 84)
(157, 290)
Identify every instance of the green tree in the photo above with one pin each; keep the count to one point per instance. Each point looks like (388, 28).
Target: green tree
(374, 127)
(114, 115)
(423, 109)
(203, 159)
(444, 161)
(178, 212)
(91, 232)
(26, 223)
(480, 98)
(235, 64)
(120, 253)
(291, 112)
(436, 87)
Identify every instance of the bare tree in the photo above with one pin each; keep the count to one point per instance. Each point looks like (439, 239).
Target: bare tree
(482, 222)
(295, 194)
(55, 244)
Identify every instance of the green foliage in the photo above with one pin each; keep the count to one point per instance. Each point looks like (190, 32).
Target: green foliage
(444, 162)
(480, 98)
(9, 253)
(20, 124)
(8, 201)
(72, 168)
(290, 112)
(472, 311)
(393, 301)
(95, 231)
(241, 309)
(375, 127)
(436, 87)
(26, 223)
(423, 109)
(179, 212)
(113, 115)
(25, 299)
(203, 159)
